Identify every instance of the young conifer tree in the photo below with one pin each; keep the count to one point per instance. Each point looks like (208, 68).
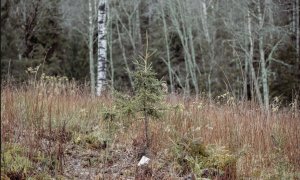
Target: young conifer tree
(147, 96)
(148, 93)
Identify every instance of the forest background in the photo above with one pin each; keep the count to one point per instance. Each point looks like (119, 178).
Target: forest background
(247, 48)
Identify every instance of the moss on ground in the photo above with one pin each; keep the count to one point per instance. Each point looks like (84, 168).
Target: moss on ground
(14, 162)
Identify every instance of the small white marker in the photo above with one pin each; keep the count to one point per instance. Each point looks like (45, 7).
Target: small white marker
(143, 161)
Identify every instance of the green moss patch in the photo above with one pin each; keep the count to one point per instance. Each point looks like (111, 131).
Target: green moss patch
(14, 163)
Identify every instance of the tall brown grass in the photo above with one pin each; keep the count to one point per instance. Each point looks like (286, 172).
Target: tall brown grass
(32, 113)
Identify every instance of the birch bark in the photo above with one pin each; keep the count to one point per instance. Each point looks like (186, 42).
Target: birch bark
(101, 79)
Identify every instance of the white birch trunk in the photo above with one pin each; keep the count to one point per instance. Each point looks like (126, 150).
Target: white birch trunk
(264, 73)
(101, 79)
(91, 49)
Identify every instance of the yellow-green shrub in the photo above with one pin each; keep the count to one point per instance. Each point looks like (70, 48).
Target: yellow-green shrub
(195, 157)
(14, 163)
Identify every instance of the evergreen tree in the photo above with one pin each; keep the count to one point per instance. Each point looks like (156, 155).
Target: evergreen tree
(148, 94)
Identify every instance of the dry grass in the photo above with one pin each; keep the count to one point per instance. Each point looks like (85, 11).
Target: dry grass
(270, 142)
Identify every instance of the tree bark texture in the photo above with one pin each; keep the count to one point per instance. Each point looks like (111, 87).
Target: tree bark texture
(101, 69)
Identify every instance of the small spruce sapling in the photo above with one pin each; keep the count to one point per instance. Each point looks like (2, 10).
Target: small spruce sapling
(148, 92)
(147, 98)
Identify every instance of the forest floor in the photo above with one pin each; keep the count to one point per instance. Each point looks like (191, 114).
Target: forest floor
(69, 134)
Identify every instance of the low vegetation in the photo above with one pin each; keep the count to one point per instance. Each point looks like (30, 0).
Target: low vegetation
(52, 127)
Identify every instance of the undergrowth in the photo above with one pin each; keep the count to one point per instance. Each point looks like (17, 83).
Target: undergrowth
(229, 138)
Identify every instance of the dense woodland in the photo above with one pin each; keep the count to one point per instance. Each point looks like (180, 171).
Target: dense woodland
(247, 48)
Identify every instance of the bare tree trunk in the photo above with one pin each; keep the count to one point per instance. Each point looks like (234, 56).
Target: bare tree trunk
(193, 63)
(251, 51)
(101, 79)
(167, 48)
(211, 46)
(264, 73)
(110, 46)
(268, 7)
(204, 21)
(246, 71)
(125, 57)
(137, 26)
(91, 49)
(176, 12)
(209, 85)
(184, 24)
(129, 29)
